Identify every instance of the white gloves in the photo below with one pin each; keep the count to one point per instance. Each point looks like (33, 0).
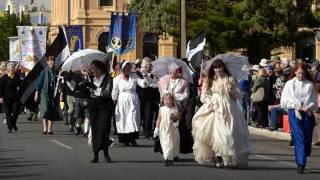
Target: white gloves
(175, 124)
(298, 115)
(156, 132)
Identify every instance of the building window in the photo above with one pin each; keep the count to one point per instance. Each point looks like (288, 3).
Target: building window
(106, 2)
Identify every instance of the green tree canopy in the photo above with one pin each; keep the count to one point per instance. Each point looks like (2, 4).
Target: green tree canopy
(8, 28)
(255, 25)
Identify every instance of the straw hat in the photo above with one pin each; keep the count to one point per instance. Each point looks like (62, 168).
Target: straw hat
(255, 68)
(263, 62)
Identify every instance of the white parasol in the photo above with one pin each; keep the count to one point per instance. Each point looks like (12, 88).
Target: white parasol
(236, 65)
(160, 67)
(81, 60)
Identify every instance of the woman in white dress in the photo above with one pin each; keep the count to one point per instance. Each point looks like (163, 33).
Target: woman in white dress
(219, 128)
(127, 112)
(167, 129)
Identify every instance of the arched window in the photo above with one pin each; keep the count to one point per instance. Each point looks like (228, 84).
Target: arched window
(106, 2)
(103, 41)
(150, 46)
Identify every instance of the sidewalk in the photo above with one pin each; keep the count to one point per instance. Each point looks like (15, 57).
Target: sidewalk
(267, 133)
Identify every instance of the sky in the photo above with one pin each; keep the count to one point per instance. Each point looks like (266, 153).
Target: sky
(46, 3)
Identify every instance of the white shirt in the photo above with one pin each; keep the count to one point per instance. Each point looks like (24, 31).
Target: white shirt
(97, 83)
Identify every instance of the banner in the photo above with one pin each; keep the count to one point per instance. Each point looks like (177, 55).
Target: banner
(122, 33)
(33, 44)
(75, 38)
(14, 49)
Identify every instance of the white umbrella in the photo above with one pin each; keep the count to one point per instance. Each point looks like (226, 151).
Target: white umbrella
(160, 67)
(235, 64)
(82, 59)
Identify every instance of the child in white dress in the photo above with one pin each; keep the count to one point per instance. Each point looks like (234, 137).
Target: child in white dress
(167, 129)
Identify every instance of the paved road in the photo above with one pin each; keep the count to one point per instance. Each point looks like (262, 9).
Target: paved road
(27, 154)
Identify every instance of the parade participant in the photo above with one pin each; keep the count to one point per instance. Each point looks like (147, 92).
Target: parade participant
(175, 84)
(219, 128)
(48, 107)
(127, 112)
(100, 106)
(9, 85)
(149, 98)
(299, 98)
(167, 129)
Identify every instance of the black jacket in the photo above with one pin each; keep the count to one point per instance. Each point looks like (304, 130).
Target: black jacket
(104, 101)
(9, 87)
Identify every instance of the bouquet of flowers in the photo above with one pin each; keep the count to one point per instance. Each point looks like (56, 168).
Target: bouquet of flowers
(175, 117)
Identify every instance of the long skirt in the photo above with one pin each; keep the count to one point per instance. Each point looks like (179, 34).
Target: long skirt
(100, 125)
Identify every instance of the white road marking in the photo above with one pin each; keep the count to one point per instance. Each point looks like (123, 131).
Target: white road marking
(61, 144)
(272, 159)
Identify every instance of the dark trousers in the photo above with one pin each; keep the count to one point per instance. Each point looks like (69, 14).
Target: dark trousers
(11, 111)
(262, 113)
(301, 132)
(149, 110)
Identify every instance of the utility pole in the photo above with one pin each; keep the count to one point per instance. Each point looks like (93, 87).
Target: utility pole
(183, 29)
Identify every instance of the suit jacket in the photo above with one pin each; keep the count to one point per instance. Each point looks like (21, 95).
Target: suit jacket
(9, 87)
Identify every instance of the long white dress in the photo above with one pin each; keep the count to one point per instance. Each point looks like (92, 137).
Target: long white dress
(222, 132)
(168, 134)
(127, 112)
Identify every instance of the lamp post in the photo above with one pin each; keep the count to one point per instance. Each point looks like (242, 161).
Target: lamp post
(183, 29)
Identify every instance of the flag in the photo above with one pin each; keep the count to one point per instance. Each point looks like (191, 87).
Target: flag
(59, 49)
(33, 40)
(74, 37)
(122, 33)
(195, 49)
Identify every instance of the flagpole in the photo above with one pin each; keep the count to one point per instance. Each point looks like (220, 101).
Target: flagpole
(183, 29)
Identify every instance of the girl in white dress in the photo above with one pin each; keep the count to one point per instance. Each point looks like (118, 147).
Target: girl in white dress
(167, 129)
(219, 128)
(127, 112)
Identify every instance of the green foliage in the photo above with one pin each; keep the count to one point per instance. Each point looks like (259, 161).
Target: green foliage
(257, 25)
(8, 28)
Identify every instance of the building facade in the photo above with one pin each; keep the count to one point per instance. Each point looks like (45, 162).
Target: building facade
(95, 17)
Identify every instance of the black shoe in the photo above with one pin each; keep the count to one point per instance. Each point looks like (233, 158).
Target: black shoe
(166, 162)
(95, 157)
(94, 160)
(134, 143)
(50, 132)
(29, 118)
(271, 128)
(106, 155)
(171, 162)
(300, 169)
(78, 131)
(15, 128)
(176, 159)
(44, 132)
(10, 131)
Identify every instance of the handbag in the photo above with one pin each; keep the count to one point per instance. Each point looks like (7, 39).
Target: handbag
(258, 96)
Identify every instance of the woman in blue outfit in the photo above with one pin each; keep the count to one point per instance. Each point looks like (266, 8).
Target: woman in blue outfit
(48, 108)
(299, 98)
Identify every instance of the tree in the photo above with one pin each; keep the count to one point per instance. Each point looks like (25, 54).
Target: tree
(255, 25)
(8, 28)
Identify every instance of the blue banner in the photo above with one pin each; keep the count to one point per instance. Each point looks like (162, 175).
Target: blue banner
(122, 33)
(75, 38)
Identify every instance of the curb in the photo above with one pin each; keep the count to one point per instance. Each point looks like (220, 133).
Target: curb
(271, 134)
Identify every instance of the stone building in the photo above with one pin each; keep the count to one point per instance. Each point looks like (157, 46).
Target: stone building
(95, 17)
